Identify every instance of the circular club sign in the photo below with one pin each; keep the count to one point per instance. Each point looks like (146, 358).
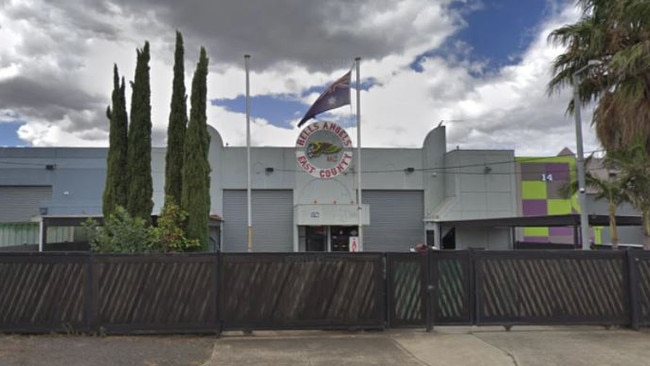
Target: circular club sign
(324, 150)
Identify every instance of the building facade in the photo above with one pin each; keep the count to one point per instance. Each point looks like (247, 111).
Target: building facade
(303, 198)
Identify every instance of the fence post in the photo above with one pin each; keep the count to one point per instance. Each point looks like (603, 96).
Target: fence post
(218, 286)
(387, 291)
(632, 263)
(430, 291)
(473, 288)
(90, 293)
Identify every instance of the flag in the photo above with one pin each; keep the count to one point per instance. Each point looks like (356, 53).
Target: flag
(336, 95)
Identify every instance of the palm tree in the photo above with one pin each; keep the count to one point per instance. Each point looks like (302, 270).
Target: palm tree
(634, 163)
(616, 33)
(613, 190)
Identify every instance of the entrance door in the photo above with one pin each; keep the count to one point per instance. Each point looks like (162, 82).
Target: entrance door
(329, 238)
(341, 237)
(316, 238)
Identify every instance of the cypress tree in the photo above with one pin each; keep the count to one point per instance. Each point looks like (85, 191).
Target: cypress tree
(176, 128)
(195, 199)
(140, 189)
(116, 180)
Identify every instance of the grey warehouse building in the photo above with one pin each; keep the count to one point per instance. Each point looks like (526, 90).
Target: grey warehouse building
(408, 194)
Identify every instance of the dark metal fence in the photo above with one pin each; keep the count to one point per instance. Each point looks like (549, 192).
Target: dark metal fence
(452, 278)
(155, 293)
(639, 279)
(644, 287)
(406, 288)
(547, 287)
(306, 290)
(42, 293)
(71, 292)
(519, 287)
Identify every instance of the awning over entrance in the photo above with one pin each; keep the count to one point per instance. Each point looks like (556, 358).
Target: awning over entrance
(572, 220)
(319, 214)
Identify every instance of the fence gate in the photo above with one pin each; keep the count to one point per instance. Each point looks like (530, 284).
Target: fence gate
(302, 290)
(551, 287)
(406, 285)
(452, 280)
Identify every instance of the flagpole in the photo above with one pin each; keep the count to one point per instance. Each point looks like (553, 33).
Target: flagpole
(248, 157)
(359, 202)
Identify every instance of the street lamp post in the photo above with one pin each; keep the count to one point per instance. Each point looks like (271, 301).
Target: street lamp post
(580, 160)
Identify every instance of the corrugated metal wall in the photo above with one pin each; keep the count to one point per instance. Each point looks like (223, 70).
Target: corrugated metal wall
(272, 215)
(18, 233)
(21, 233)
(396, 220)
(19, 204)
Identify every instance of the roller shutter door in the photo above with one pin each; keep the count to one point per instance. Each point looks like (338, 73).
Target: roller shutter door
(396, 220)
(19, 204)
(272, 221)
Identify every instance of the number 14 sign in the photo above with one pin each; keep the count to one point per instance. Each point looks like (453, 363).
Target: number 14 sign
(547, 177)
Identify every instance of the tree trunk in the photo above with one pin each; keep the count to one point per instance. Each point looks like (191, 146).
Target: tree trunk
(613, 230)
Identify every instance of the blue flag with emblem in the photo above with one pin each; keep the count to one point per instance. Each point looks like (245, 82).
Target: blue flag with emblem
(336, 95)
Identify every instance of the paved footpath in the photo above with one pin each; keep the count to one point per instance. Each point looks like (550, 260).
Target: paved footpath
(471, 346)
(486, 346)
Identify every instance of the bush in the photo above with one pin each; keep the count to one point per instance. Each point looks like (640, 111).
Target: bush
(121, 233)
(125, 234)
(169, 234)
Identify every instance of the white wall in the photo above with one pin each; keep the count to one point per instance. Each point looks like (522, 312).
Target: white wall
(488, 238)
(478, 184)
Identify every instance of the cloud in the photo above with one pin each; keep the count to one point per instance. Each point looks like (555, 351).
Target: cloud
(320, 35)
(56, 64)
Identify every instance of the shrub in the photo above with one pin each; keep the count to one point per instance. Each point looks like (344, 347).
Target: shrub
(123, 233)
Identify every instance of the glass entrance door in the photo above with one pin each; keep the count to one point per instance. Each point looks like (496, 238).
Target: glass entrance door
(340, 237)
(329, 238)
(316, 239)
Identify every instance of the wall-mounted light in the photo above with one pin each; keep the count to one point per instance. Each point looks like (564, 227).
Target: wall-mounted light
(487, 169)
(269, 170)
(409, 170)
(42, 211)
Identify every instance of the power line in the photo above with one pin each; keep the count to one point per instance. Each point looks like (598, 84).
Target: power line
(442, 170)
(446, 169)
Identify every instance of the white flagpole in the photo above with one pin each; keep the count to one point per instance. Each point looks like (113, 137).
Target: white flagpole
(359, 202)
(248, 157)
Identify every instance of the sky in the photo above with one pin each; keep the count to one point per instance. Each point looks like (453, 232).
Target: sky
(479, 66)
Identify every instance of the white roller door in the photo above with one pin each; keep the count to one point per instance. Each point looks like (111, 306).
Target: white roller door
(396, 220)
(272, 216)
